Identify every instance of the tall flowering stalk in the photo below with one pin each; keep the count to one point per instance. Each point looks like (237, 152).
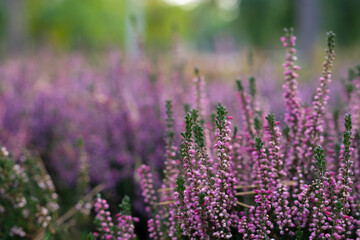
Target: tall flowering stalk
(181, 195)
(353, 89)
(148, 190)
(245, 101)
(202, 105)
(280, 194)
(344, 222)
(247, 133)
(291, 95)
(171, 170)
(201, 102)
(314, 126)
(192, 211)
(255, 109)
(294, 114)
(319, 198)
(151, 199)
(345, 165)
(223, 193)
(241, 162)
(258, 224)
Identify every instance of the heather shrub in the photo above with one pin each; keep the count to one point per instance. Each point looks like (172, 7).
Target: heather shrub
(29, 204)
(234, 172)
(266, 179)
(28, 198)
(106, 229)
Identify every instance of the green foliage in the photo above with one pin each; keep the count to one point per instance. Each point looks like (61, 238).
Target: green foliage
(188, 127)
(252, 86)
(289, 32)
(187, 108)
(351, 74)
(199, 135)
(159, 21)
(125, 206)
(97, 24)
(239, 85)
(257, 124)
(196, 71)
(348, 124)
(337, 147)
(195, 115)
(348, 83)
(320, 159)
(286, 131)
(221, 116)
(337, 14)
(180, 187)
(91, 237)
(77, 24)
(235, 131)
(347, 138)
(349, 88)
(330, 40)
(258, 144)
(202, 198)
(271, 120)
(213, 117)
(179, 231)
(267, 15)
(336, 118)
(299, 233)
(357, 135)
(169, 120)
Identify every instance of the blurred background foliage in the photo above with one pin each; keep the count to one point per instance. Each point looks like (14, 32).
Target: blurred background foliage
(99, 24)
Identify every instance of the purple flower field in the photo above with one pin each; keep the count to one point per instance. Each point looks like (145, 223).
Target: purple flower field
(187, 158)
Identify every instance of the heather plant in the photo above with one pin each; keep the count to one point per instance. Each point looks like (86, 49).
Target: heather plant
(28, 198)
(239, 172)
(302, 177)
(106, 229)
(29, 203)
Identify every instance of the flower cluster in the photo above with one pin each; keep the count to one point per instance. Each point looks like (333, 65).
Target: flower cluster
(30, 201)
(106, 229)
(27, 198)
(263, 183)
